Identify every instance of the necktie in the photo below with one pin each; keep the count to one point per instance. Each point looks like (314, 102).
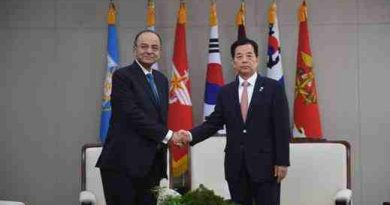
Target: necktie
(150, 79)
(244, 100)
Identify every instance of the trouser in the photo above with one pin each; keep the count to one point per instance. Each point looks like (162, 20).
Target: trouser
(247, 192)
(122, 189)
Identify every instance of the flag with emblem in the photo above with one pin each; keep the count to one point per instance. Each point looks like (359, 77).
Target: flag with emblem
(307, 121)
(151, 21)
(240, 21)
(112, 65)
(274, 61)
(180, 105)
(214, 75)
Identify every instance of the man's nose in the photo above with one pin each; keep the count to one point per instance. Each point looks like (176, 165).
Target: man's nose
(244, 59)
(149, 50)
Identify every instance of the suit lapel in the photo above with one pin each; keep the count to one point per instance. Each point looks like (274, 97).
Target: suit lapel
(236, 100)
(256, 96)
(162, 93)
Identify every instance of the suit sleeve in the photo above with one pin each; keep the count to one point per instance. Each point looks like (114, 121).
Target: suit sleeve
(281, 124)
(123, 96)
(213, 123)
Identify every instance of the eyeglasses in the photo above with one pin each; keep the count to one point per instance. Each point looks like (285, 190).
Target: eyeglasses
(146, 47)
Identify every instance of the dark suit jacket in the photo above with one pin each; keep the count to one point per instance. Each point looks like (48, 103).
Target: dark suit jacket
(262, 141)
(137, 125)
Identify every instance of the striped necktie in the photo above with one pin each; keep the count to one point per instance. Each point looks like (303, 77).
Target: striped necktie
(152, 85)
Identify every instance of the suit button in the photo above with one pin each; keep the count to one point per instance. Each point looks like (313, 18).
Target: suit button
(244, 131)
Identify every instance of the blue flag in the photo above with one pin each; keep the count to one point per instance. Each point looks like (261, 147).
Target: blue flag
(112, 65)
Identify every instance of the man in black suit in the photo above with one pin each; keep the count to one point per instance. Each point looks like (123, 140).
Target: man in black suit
(255, 112)
(133, 159)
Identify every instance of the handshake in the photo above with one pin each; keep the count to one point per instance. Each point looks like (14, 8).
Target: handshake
(181, 138)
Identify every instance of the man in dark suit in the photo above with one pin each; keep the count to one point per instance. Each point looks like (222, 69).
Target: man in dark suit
(255, 112)
(133, 159)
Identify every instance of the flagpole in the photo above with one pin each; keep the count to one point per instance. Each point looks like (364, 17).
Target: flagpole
(183, 177)
(186, 177)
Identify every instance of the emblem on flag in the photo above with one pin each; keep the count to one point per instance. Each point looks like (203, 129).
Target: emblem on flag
(178, 90)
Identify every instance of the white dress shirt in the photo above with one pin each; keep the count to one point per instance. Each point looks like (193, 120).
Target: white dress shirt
(251, 86)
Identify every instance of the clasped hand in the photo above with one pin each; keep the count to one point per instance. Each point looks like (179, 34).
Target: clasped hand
(181, 138)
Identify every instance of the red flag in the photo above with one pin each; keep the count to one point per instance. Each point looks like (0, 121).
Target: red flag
(307, 121)
(240, 21)
(180, 106)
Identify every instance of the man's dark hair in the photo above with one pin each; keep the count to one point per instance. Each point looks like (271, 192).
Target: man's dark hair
(145, 31)
(241, 42)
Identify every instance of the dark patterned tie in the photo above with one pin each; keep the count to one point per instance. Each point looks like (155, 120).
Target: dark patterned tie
(150, 79)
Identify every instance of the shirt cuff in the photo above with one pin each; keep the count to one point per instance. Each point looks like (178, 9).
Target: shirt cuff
(168, 137)
(190, 135)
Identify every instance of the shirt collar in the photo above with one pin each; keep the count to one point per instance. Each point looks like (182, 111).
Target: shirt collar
(251, 80)
(143, 68)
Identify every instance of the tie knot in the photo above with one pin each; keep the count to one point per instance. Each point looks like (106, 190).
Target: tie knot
(245, 83)
(149, 76)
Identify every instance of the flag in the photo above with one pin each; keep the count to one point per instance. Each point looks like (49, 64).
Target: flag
(180, 105)
(306, 112)
(274, 62)
(240, 21)
(151, 21)
(150, 15)
(112, 65)
(214, 76)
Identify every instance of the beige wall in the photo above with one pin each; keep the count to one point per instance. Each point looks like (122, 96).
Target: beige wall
(52, 60)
